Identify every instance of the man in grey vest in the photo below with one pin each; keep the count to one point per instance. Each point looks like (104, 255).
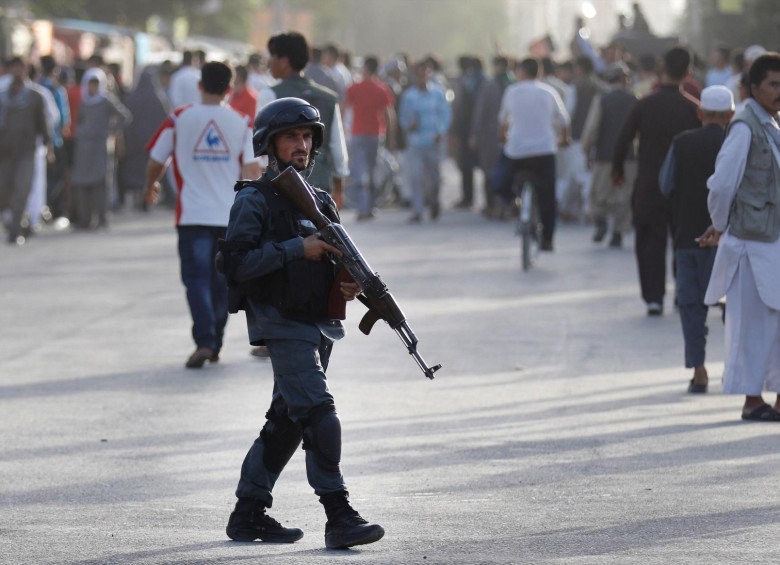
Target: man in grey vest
(743, 200)
(289, 56)
(607, 113)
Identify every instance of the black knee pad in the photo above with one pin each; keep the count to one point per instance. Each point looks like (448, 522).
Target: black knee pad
(322, 435)
(281, 437)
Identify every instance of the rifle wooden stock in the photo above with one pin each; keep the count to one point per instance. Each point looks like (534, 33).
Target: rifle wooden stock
(380, 303)
(292, 186)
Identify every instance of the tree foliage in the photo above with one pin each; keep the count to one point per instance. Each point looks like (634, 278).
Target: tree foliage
(753, 22)
(225, 18)
(445, 27)
(418, 27)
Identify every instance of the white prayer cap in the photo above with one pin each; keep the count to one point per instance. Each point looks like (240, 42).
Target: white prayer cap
(717, 98)
(754, 52)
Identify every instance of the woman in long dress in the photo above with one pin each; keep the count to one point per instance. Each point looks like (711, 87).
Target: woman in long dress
(101, 114)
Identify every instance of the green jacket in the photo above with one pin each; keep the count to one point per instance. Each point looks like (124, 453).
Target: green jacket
(325, 101)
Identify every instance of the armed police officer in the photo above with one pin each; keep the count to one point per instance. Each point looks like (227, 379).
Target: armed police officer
(281, 275)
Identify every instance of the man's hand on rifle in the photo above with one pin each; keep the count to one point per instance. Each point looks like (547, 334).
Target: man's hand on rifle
(314, 249)
(350, 290)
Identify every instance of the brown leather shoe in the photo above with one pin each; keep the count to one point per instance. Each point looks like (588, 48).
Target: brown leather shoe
(199, 357)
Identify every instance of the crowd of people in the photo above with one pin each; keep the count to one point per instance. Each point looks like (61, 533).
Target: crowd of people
(85, 136)
(593, 133)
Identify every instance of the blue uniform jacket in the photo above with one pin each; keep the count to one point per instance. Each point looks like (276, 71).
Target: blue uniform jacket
(250, 222)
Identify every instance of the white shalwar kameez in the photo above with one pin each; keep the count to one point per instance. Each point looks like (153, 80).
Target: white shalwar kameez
(747, 273)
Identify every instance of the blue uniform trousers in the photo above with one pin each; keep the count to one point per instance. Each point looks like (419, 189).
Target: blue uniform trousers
(300, 386)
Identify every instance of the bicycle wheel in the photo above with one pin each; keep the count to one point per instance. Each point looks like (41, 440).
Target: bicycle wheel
(385, 179)
(528, 227)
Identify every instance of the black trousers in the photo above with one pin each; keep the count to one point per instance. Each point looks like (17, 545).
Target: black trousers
(540, 170)
(650, 248)
(467, 162)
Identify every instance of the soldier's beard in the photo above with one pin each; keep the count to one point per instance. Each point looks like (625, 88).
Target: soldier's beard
(299, 165)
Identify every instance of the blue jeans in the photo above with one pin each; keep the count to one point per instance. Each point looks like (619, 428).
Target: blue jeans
(300, 386)
(206, 288)
(694, 267)
(363, 151)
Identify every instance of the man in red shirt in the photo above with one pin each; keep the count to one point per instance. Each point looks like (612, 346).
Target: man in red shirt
(244, 97)
(373, 117)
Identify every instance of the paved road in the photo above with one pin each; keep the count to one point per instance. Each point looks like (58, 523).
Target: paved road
(558, 430)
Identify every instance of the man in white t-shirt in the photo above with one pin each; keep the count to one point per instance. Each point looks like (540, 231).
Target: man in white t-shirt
(534, 122)
(184, 82)
(211, 146)
(259, 76)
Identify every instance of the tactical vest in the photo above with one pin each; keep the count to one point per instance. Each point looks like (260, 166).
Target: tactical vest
(754, 215)
(325, 101)
(300, 289)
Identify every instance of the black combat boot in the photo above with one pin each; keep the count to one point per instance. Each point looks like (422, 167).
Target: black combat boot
(345, 527)
(249, 522)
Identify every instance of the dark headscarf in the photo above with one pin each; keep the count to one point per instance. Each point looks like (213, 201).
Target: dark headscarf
(150, 106)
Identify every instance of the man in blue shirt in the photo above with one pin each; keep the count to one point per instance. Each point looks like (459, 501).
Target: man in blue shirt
(425, 116)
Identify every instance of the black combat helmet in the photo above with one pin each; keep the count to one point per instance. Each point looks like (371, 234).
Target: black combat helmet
(282, 114)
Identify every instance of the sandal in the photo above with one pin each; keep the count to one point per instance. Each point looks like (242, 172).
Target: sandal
(693, 388)
(764, 413)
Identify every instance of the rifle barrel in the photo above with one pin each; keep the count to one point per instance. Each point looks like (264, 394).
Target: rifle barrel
(410, 341)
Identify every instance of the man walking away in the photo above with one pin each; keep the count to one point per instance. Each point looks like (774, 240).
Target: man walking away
(656, 119)
(605, 118)
(373, 121)
(211, 145)
(688, 164)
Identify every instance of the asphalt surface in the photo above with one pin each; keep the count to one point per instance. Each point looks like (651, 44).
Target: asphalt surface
(558, 430)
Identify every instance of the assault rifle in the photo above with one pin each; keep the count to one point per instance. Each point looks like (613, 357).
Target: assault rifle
(375, 296)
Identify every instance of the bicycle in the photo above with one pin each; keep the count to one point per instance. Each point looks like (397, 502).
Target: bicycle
(386, 192)
(386, 182)
(529, 226)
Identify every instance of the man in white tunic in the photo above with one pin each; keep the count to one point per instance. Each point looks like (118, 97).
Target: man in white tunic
(743, 203)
